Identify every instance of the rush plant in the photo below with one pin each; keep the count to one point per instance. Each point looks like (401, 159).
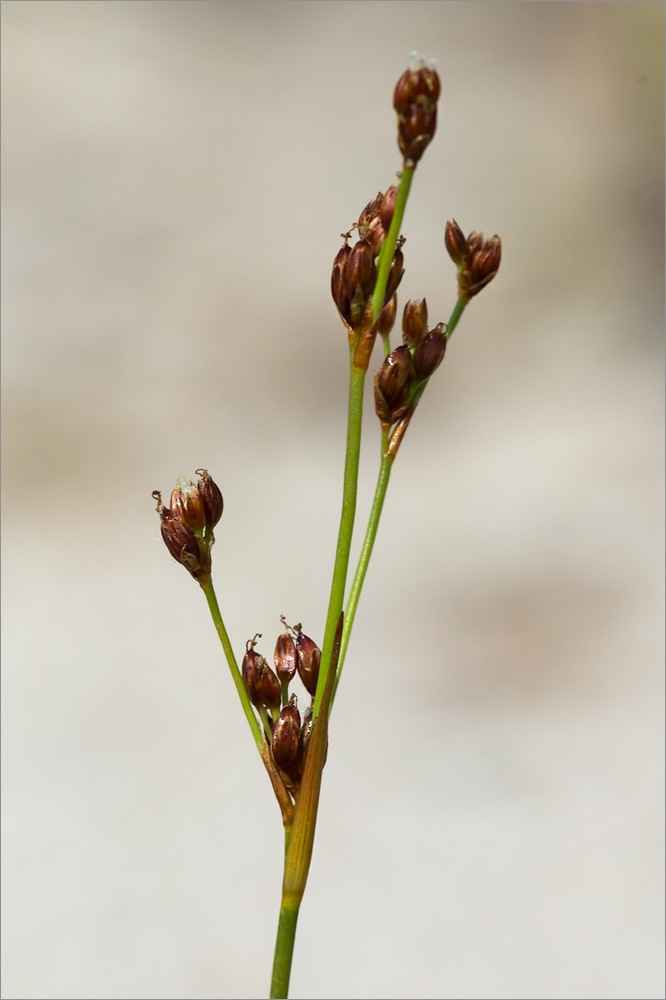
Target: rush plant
(291, 734)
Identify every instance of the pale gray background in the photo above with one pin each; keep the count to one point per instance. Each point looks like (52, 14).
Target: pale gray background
(175, 179)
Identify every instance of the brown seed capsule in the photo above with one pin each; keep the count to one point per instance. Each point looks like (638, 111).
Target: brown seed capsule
(360, 277)
(211, 498)
(393, 379)
(285, 742)
(306, 731)
(456, 244)
(430, 352)
(286, 657)
(267, 686)
(386, 318)
(419, 81)
(251, 669)
(414, 321)
(309, 658)
(338, 283)
(388, 207)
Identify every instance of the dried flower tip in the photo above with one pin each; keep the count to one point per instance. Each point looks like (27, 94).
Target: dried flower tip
(430, 352)
(286, 657)
(414, 321)
(187, 504)
(370, 226)
(285, 742)
(392, 383)
(309, 658)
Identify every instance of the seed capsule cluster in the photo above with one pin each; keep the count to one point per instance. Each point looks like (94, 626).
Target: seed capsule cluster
(187, 523)
(268, 689)
(477, 260)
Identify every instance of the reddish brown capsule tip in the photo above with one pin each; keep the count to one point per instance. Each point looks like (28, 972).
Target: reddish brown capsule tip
(309, 658)
(386, 318)
(430, 352)
(414, 321)
(396, 272)
(370, 226)
(286, 657)
(285, 742)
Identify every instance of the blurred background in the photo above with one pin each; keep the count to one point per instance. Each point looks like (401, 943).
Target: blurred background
(176, 177)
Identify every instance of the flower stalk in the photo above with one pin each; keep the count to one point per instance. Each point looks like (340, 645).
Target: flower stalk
(292, 740)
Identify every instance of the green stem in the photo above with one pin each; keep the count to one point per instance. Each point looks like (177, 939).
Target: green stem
(209, 591)
(350, 483)
(389, 244)
(458, 310)
(284, 949)
(368, 543)
(299, 850)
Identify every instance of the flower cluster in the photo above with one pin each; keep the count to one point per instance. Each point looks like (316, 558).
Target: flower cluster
(415, 101)
(354, 278)
(187, 523)
(477, 260)
(268, 691)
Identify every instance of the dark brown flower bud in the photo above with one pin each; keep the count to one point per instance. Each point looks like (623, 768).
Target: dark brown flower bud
(338, 283)
(211, 498)
(392, 383)
(430, 351)
(267, 686)
(414, 321)
(360, 269)
(285, 742)
(386, 318)
(286, 657)
(415, 100)
(309, 658)
(456, 244)
(251, 669)
(388, 207)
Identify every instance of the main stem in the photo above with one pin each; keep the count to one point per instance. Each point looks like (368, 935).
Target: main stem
(354, 423)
